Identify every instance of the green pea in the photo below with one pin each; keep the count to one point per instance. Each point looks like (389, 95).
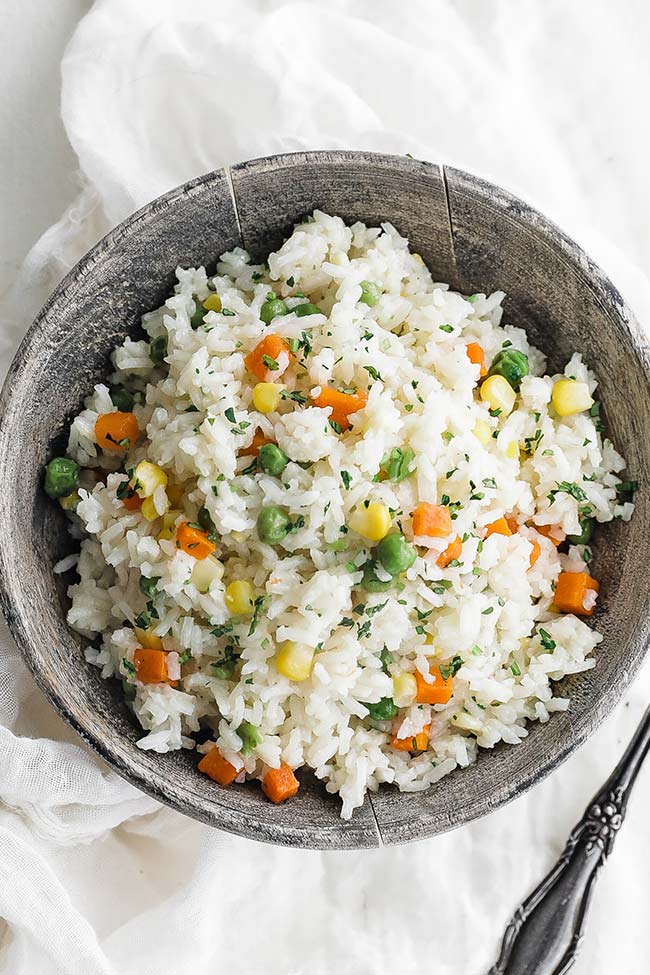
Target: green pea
(272, 308)
(370, 580)
(250, 736)
(302, 311)
(512, 365)
(370, 293)
(158, 348)
(61, 477)
(121, 398)
(198, 315)
(204, 519)
(395, 553)
(587, 530)
(273, 524)
(271, 459)
(383, 710)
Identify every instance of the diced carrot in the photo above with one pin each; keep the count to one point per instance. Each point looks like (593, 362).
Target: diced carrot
(571, 591)
(151, 666)
(437, 693)
(512, 523)
(343, 404)
(476, 355)
(265, 354)
(193, 541)
(416, 743)
(451, 553)
(556, 534)
(498, 527)
(536, 551)
(134, 503)
(216, 767)
(432, 520)
(117, 431)
(280, 784)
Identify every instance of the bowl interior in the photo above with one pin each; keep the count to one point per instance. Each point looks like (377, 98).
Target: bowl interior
(472, 235)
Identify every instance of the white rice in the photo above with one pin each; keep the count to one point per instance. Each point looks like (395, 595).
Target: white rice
(487, 612)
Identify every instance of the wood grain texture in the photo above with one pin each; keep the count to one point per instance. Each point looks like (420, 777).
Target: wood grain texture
(492, 241)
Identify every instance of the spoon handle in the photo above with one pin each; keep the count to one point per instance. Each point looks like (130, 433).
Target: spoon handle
(545, 932)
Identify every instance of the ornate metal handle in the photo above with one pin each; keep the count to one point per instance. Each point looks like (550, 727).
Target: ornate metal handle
(545, 933)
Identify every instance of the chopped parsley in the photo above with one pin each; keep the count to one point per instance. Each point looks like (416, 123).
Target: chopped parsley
(448, 670)
(295, 396)
(346, 477)
(396, 464)
(272, 364)
(566, 487)
(546, 640)
(373, 373)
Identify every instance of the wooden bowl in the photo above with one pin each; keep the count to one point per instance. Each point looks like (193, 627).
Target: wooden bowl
(472, 235)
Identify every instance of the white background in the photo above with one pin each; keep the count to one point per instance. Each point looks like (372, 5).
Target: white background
(549, 100)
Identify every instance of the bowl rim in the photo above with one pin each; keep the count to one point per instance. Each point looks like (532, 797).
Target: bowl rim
(271, 831)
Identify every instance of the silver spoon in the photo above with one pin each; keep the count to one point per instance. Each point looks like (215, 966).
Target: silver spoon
(545, 933)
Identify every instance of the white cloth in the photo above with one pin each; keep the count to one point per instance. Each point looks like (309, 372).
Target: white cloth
(546, 99)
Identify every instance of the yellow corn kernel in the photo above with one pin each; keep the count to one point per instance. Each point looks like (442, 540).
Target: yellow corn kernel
(212, 303)
(512, 450)
(239, 597)
(148, 510)
(428, 640)
(294, 660)
(570, 396)
(174, 492)
(168, 525)
(482, 432)
(147, 477)
(405, 690)
(70, 501)
(148, 639)
(372, 522)
(498, 394)
(267, 396)
(205, 572)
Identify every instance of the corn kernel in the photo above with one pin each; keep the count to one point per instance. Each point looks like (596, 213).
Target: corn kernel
(168, 525)
(372, 522)
(147, 477)
(205, 572)
(294, 660)
(482, 432)
(239, 597)
(70, 501)
(570, 396)
(405, 689)
(267, 396)
(148, 639)
(148, 510)
(428, 640)
(512, 450)
(498, 394)
(212, 303)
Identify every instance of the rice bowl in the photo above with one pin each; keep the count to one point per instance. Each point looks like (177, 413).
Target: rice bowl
(479, 626)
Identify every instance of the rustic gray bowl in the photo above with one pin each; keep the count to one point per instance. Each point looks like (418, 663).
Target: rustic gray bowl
(471, 234)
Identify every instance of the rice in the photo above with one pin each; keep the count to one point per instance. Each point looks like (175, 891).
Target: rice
(485, 624)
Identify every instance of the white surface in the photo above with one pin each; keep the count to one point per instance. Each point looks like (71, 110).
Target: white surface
(548, 100)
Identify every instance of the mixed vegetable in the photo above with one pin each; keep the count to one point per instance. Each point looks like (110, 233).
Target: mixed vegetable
(392, 546)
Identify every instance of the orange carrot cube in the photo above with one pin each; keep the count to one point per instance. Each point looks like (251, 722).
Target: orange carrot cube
(437, 693)
(117, 431)
(194, 541)
(416, 743)
(216, 767)
(451, 553)
(265, 359)
(476, 355)
(432, 520)
(280, 784)
(574, 593)
(151, 666)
